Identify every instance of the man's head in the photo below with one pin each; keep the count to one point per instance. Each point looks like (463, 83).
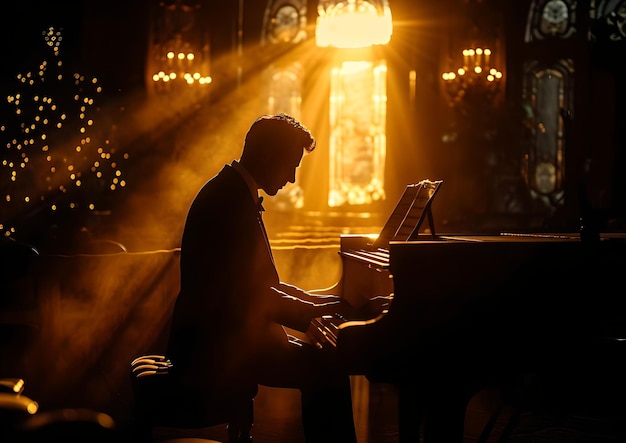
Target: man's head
(273, 149)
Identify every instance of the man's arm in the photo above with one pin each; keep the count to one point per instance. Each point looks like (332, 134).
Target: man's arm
(307, 295)
(296, 308)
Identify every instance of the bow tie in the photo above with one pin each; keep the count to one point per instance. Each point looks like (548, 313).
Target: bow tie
(260, 204)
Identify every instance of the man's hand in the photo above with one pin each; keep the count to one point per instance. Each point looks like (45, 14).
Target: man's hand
(373, 308)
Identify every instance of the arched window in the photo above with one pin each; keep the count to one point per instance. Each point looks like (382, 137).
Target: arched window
(551, 19)
(358, 114)
(548, 97)
(284, 21)
(608, 20)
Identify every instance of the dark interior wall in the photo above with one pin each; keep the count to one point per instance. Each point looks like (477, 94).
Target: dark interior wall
(114, 41)
(21, 33)
(103, 38)
(223, 26)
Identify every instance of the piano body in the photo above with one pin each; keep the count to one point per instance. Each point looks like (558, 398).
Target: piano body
(468, 311)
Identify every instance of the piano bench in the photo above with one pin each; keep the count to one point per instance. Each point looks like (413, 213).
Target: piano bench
(163, 412)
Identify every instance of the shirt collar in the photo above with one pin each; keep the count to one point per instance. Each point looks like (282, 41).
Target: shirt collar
(247, 177)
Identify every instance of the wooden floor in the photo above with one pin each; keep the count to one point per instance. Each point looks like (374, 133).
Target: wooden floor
(545, 417)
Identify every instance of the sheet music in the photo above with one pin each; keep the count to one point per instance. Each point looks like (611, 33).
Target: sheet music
(397, 216)
(408, 215)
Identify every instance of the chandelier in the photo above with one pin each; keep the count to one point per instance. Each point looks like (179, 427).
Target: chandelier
(474, 79)
(353, 23)
(179, 55)
(179, 63)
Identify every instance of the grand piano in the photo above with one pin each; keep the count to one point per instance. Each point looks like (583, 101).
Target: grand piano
(469, 311)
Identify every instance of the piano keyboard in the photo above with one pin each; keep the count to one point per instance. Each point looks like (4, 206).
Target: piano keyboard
(323, 331)
(378, 257)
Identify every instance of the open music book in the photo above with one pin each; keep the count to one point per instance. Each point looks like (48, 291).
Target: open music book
(413, 207)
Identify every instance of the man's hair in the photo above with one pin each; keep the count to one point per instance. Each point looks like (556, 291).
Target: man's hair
(280, 132)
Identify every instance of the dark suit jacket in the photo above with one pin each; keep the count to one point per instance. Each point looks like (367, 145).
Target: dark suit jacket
(226, 313)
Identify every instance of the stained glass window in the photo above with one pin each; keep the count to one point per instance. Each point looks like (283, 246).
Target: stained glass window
(547, 95)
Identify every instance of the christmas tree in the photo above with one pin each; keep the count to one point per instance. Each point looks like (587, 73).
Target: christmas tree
(58, 161)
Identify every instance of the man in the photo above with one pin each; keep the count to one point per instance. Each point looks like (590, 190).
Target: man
(227, 330)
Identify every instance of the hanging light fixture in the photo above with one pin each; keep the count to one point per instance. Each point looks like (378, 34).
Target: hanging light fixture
(353, 23)
(475, 77)
(179, 53)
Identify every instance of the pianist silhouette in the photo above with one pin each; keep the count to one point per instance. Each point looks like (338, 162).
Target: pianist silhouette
(227, 328)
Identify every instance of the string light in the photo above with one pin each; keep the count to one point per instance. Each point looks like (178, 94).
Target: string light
(50, 143)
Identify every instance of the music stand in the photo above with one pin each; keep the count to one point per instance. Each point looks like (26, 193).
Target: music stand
(409, 213)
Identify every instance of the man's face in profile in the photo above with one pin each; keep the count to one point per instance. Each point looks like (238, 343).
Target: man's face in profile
(284, 171)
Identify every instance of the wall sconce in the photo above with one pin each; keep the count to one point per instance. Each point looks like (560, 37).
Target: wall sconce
(475, 79)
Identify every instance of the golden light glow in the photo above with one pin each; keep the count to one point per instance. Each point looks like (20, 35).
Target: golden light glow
(353, 24)
(358, 106)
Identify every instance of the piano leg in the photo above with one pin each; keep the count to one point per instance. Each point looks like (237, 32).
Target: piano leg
(410, 415)
(436, 409)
